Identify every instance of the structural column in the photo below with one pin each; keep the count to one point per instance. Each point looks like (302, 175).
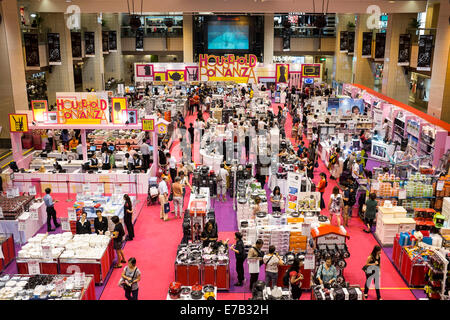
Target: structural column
(362, 67)
(268, 38)
(60, 79)
(188, 38)
(93, 68)
(439, 103)
(113, 60)
(342, 66)
(395, 82)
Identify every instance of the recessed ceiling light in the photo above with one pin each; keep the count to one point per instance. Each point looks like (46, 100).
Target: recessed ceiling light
(33, 15)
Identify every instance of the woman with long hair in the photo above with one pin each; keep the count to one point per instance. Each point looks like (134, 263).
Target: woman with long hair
(372, 271)
(127, 216)
(336, 204)
(295, 280)
(321, 188)
(276, 198)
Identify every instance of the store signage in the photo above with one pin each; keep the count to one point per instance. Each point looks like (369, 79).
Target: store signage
(65, 224)
(380, 45)
(366, 45)
(351, 42)
(402, 194)
(140, 39)
(76, 45)
(119, 105)
(112, 41)
(404, 50)
(311, 70)
(34, 214)
(425, 53)
(440, 185)
(162, 128)
(31, 43)
(40, 110)
(343, 42)
(228, 68)
(34, 267)
(282, 73)
(71, 214)
(54, 49)
(32, 191)
(82, 107)
(331, 239)
(18, 122)
(105, 42)
(89, 44)
(47, 252)
(309, 262)
(175, 75)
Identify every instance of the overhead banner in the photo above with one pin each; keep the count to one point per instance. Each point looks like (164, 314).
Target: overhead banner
(18, 122)
(89, 44)
(229, 68)
(140, 39)
(404, 50)
(282, 73)
(112, 42)
(286, 39)
(105, 42)
(77, 53)
(119, 105)
(425, 52)
(176, 75)
(343, 42)
(366, 45)
(311, 70)
(351, 42)
(40, 110)
(380, 46)
(82, 107)
(31, 49)
(54, 49)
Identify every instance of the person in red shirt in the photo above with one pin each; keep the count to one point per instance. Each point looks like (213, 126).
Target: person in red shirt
(321, 188)
(295, 280)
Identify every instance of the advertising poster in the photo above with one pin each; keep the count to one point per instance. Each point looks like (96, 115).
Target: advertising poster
(112, 41)
(148, 125)
(286, 39)
(76, 45)
(380, 45)
(343, 42)
(175, 75)
(18, 122)
(366, 45)
(54, 49)
(105, 42)
(39, 108)
(191, 73)
(89, 44)
(425, 52)
(282, 73)
(82, 108)
(31, 43)
(351, 42)
(160, 76)
(140, 39)
(311, 70)
(404, 49)
(346, 106)
(119, 105)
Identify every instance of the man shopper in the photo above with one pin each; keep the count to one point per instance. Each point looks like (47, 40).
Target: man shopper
(51, 212)
(163, 197)
(145, 151)
(255, 257)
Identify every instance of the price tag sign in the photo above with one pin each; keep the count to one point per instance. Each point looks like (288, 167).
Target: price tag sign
(306, 229)
(47, 253)
(16, 192)
(86, 188)
(376, 185)
(32, 191)
(440, 185)
(34, 214)
(72, 214)
(101, 188)
(309, 262)
(60, 287)
(402, 194)
(34, 267)
(79, 280)
(10, 193)
(65, 224)
(1, 213)
(21, 225)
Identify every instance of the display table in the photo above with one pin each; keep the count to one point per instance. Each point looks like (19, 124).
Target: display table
(391, 221)
(359, 294)
(212, 161)
(217, 275)
(188, 274)
(99, 268)
(30, 226)
(307, 276)
(45, 267)
(8, 251)
(412, 272)
(189, 297)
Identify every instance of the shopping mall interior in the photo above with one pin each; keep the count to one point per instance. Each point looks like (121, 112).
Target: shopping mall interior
(225, 150)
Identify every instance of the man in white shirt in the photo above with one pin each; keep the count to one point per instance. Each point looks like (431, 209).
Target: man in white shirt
(355, 170)
(163, 197)
(222, 183)
(80, 151)
(145, 151)
(172, 167)
(384, 131)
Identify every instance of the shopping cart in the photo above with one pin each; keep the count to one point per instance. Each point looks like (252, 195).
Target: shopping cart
(153, 193)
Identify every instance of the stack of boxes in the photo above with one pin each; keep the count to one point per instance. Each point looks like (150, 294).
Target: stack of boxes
(264, 233)
(297, 241)
(446, 211)
(280, 239)
(390, 221)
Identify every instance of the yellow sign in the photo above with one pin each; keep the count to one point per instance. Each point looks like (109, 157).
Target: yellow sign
(118, 106)
(18, 122)
(148, 125)
(282, 73)
(175, 75)
(39, 108)
(159, 76)
(162, 128)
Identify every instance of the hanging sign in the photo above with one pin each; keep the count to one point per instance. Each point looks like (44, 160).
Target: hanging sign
(89, 44)
(31, 43)
(105, 42)
(18, 122)
(286, 39)
(140, 39)
(425, 52)
(21, 225)
(148, 124)
(162, 128)
(440, 185)
(54, 49)
(34, 214)
(175, 75)
(343, 41)
(76, 45)
(229, 68)
(351, 42)
(40, 110)
(34, 267)
(404, 50)
(311, 70)
(282, 73)
(118, 106)
(112, 41)
(380, 46)
(366, 45)
(82, 107)
(402, 194)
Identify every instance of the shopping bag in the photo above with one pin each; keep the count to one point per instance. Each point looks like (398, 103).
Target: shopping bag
(166, 207)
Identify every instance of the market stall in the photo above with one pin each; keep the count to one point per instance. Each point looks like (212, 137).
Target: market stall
(7, 250)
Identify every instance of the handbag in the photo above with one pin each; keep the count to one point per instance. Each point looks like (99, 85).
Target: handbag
(171, 196)
(166, 207)
(124, 283)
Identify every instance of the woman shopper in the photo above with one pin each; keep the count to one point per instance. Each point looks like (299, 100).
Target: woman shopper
(336, 204)
(276, 198)
(321, 188)
(177, 190)
(127, 217)
(272, 260)
(239, 251)
(295, 279)
(327, 273)
(370, 211)
(131, 275)
(372, 271)
(117, 235)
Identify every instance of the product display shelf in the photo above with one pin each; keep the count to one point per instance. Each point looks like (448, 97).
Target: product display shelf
(8, 250)
(440, 257)
(50, 266)
(188, 297)
(355, 288)
(390, 222)
(411, 271)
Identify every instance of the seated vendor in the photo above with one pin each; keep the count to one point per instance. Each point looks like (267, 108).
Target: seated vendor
(93, 162)
(83, 225)
(209, 234)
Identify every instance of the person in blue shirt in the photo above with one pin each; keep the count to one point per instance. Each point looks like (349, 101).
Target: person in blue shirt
(51, 212)
(327, 273)
(301, 148)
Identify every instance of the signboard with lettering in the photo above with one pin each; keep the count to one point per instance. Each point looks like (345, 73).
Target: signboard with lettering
(82, 107)
(18, 122)
(228, 68)
(331, 239)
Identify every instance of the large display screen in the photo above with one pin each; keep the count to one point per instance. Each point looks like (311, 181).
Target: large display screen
(228, 35)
